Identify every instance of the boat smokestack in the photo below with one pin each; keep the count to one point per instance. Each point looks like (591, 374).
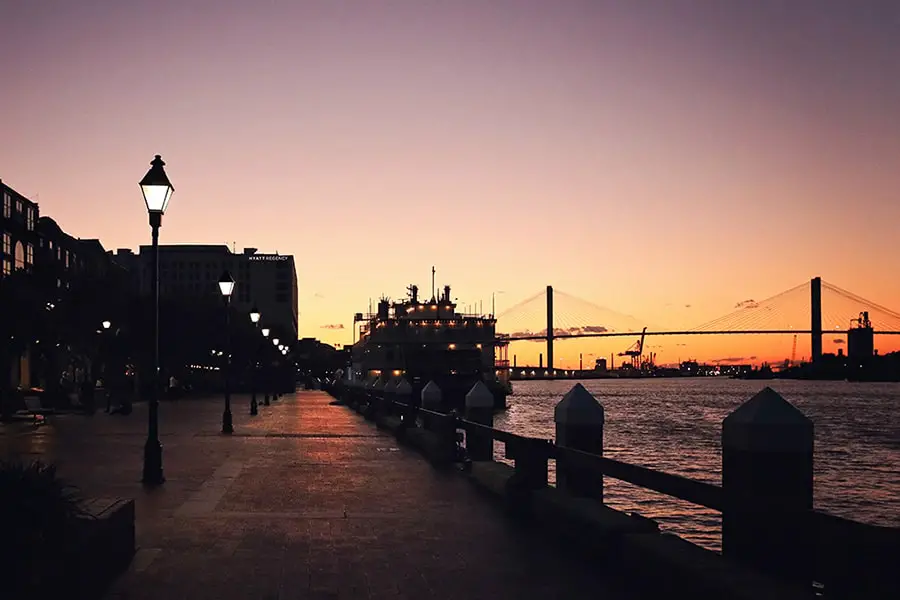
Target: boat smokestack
(446, 293)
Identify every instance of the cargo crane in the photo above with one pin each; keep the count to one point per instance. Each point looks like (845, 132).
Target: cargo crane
(794, 352)
(635, 351)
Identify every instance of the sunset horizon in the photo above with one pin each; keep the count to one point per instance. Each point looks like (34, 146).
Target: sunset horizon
(667, 164)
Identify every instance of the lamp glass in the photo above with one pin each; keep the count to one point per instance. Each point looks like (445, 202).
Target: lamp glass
(274, 341)
(157, 197)
(265, 331)
(254, 315)
(226, 284)
(106, 324)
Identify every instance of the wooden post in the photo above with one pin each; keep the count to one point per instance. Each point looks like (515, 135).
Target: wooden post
(403, 394)
(388, 397)
(579, 421)
(432, 399)
(480, 409)
(767, 485)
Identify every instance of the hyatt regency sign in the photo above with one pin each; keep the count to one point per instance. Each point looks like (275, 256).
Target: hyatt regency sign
(269, 257)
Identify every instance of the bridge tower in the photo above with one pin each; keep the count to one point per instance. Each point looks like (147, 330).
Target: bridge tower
(550, 328)
(815, 289)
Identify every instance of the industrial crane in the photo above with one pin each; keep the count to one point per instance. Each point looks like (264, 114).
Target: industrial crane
(636, 350)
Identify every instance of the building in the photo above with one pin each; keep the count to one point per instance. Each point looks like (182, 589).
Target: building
(18, 229)
(18, 240)
(268, 281)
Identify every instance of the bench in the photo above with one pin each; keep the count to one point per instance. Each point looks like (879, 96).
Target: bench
(105, 542)
(34, 408)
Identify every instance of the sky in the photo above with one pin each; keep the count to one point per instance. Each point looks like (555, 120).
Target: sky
(646, 156)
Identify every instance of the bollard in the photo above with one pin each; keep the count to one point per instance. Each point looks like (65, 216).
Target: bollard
(382, 407)
(767, 486)
(579, 421)
(366, 398)
(431, 399)
(403, 395)
(403, 392)
(480, 409)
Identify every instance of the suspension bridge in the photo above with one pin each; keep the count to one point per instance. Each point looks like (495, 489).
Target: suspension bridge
(826, 308)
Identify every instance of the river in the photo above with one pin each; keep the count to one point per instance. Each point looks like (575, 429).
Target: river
(674, 425)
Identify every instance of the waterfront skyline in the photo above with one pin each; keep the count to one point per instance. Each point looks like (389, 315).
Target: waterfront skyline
(662, 159)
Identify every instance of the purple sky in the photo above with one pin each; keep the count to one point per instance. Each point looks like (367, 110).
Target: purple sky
(632, 153)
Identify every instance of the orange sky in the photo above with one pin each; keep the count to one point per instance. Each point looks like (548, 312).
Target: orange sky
(636, 155)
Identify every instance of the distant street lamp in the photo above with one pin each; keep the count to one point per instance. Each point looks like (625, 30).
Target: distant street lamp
(265, 332)
(157, 191)
(106, 324)
(254, 407)
(226, 287)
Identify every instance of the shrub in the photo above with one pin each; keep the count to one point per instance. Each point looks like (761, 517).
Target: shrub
(37, 520)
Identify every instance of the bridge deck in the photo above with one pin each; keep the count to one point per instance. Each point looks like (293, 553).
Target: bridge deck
(304, 501)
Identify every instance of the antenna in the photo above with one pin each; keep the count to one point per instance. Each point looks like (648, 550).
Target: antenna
(433, 294)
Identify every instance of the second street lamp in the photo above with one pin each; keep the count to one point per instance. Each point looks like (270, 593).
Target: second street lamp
(226, 287)
(265, 333)
(254, 407)
(157, 191)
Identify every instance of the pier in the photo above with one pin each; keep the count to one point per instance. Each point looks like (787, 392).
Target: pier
(775, 545)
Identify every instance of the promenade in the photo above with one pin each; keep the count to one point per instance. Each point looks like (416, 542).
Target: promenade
(307, 500)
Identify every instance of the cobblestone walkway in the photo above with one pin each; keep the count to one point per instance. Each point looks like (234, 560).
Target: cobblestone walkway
(307, 500)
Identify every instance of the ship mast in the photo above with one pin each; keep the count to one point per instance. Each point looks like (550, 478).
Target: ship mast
(433, 292)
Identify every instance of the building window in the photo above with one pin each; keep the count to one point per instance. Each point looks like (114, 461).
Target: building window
(29, 218)
(7, 206)
(29, 254)
(20, 256)
(7, 266)
(7, 244)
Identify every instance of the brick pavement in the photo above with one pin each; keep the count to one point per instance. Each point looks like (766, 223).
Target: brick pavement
(306, 500)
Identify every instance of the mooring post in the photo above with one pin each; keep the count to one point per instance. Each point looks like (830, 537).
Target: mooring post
(767, 485)
(403, 394)
(383, 406)
(431, 400)
(579, 421)
(480, 410)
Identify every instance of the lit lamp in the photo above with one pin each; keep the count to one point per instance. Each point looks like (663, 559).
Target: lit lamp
(254, 406)
(275, 343)
(265, 332)
(226, 287)
(106, 324)
(157, 191)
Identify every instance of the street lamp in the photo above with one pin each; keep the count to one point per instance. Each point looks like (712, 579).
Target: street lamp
(275, 370)
(157, 191)
(106, 324)
(254, 407)
(265, 332)
(226, 287)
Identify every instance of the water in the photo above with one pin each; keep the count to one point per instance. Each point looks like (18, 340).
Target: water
(674, 425)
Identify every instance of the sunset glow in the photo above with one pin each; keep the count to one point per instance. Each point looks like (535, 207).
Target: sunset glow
(666, 160)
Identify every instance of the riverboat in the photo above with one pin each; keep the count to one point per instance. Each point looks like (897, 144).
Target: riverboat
(432, 340)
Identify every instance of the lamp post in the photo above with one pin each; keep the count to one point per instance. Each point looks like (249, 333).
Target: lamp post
(226, 286)
(157, 191)
(265, 333)
(274, 376)
(254, 407)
